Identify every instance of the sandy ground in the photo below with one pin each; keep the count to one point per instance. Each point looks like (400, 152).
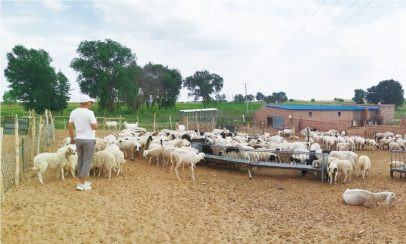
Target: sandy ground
(149, 205)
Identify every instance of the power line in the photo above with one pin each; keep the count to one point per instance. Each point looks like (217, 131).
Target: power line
(319, 35)
(314, 26)
(297, 33)
(332, 31)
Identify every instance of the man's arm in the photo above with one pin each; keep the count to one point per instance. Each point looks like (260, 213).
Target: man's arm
(71, 134)
(94, 126)
(93, 122)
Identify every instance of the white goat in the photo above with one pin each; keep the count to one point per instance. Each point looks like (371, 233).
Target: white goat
(130, 126)
(348, 155)
(332, 170)
(394, 146)
(154, 152)
(53, 160)
(129, 147)
(72, 160)
(358, 197)
(181, 156)
(104, 160)
(100, 144)
(119, 156)
(112, 125)
(363, 165)
(345, 167)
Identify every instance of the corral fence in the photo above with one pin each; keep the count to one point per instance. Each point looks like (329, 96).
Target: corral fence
(22, 138)
(159, 122)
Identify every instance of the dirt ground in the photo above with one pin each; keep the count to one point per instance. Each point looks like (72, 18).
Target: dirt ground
(149, 205)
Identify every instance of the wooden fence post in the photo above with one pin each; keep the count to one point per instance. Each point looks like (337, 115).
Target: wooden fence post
(46, 117)
(197, 123)
(17, 151)
(32, 151)
(119, 123)
(53, 126)
(187, 122)
(64, 123)
(1, 173)
(212, 123)
(39, 135)
(170, 121)
(154, 122)
(138, 121)
(104, 122)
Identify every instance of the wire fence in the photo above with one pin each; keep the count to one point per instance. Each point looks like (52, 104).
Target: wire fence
(18, 149)
(159, 122)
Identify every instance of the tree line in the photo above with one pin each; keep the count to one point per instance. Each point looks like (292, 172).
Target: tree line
(275, 97)
(386, 92)
(108, 72)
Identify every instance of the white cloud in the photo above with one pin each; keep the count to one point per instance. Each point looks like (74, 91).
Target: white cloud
(55, 5)
(262, 43)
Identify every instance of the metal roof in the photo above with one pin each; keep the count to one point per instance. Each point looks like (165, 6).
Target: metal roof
(321, 107)
(198, 110)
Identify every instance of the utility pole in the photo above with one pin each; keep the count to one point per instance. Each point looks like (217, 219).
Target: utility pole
(246, 99)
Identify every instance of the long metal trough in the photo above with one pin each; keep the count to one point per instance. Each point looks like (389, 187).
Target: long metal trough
(268, 164)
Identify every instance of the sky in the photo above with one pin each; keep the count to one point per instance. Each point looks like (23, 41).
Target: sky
(308, 49)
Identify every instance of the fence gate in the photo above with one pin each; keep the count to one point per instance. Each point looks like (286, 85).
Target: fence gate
(398, 162)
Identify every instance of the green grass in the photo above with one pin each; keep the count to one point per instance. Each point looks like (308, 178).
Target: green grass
(230, 112)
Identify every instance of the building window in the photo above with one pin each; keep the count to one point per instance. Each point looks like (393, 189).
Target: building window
(339, 113)
(310, 114)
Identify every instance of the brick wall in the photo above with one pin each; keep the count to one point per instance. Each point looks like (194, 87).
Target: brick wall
(301, 118)
(322, 125)
(387, 111)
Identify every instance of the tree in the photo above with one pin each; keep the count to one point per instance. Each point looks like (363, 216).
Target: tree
(359, 96)
(33, 80)
(239, 98)
(9, 97)
(387, 91)
(270, 99)
(280, 97)
(260, 96)
(203, 84)
(250, 97)
(220, 97)
(61, 91)
(160, 85)
(312, 100)
(106, 70)
(338, 99)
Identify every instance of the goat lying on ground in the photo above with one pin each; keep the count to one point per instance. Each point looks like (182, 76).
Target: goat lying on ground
(358, 197)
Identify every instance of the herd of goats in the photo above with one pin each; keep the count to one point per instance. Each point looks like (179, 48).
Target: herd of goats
(174, 147)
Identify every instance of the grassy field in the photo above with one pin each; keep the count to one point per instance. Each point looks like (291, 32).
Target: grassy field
(227, 110)
(145, 116)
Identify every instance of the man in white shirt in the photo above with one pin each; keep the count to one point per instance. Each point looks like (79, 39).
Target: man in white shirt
(85, 123)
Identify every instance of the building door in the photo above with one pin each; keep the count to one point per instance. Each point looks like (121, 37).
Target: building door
(269, 122)
(276, 122)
